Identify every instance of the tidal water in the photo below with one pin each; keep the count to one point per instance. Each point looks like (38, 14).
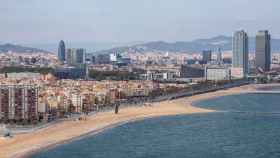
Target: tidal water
(249, 127)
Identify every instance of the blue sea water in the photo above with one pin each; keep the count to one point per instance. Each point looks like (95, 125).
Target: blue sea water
(250, 128)
(261, 103)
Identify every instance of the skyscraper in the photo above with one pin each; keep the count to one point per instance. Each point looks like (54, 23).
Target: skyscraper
(219, 57)
(70, 56)
(61, 51)
(263, 52)
(80, 56)
(240, 48)
(206, 56)
(75, 57)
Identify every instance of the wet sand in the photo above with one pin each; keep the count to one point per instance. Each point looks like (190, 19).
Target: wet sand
(26, 144)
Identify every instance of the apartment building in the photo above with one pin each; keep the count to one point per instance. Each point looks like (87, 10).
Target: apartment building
(18, 102)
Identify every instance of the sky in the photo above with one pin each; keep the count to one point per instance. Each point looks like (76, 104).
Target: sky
(48, 21)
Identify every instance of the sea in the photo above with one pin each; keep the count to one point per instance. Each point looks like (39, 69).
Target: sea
(245, 126)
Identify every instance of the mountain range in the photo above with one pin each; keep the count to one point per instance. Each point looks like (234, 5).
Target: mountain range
(222, 42)
(195, 46)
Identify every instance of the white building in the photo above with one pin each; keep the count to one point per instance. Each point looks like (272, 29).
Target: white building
(159, 75)
(217, 74)
(23, 75)
(113, 57)
(77, 102)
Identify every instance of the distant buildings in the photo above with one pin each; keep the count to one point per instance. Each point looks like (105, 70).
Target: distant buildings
(70, 56)
(61, 51)
(71, 72)
(217, 74)
(219, 57)
(206, 56)
(113, 57)
(75, 57)
(191, 72)
(80, 56)
(124, 61)
(23, 75)
(18, 103)
(159, 75)
(103, 59)
(240, 51)
(263, 50)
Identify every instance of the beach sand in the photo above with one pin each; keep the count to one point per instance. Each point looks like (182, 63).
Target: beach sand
(23, 144)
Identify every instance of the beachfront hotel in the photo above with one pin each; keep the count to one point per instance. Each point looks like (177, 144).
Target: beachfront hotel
(240, 49)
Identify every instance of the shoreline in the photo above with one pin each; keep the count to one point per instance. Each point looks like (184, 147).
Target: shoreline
(25, 145)
(83, 136)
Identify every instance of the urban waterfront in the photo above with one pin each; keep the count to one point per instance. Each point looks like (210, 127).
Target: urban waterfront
(248, 127)
(141, 79)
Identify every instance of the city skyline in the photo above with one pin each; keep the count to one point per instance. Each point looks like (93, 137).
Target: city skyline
(110, 21)
(149, 78)
(222, 41)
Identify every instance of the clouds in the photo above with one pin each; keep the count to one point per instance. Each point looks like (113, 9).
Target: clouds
(132, 20)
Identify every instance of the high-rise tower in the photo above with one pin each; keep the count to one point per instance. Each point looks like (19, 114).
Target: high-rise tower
(206, 56)
(219, 57)
(61, 51)
(75, 57)
(240, 48)
(263, 50)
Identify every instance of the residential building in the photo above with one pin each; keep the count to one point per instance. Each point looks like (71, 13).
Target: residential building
(18, 102)
(77, 102)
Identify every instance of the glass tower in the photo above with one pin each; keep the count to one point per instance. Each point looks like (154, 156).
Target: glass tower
(263, 52)
(240, 50)
(61, 51)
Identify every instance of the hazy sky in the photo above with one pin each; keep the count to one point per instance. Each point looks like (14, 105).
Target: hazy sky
(47, 21)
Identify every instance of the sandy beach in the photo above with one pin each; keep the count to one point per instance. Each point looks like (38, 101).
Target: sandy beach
(23, 144)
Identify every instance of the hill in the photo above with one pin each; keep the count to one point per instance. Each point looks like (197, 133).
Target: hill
(20, 49)
(223, 42)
